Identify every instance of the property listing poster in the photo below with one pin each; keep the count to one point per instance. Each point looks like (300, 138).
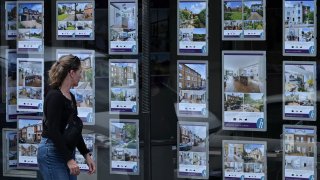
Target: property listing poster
(11, 20)
(123, 27)
(89, 140)
(192, 27)
(192, 86)
(30, 27)
(244, 160)
(75, 20)
(193, 150)
(299, 28)
(244, 90)
(29, 136)
(299, 90)
(124, 150)
(123, 86)
(299, 153)
(10, 154)
(85, 91)
(30, 84)
(243, 19)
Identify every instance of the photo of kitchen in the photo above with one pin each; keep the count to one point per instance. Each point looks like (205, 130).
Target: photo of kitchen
(244, 74)
(299, 77)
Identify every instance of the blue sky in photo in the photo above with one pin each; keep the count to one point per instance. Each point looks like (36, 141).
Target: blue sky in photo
(10, 6)
(234, 4)
(305, 3)
(249, 147)
(256, 96)
(66, 4)
(199, 68)
(249, 3)
(82, 5)
(198, 130)
(26, 122)
(194, 7)
(199, 31)
(299, 131)
(33, 6)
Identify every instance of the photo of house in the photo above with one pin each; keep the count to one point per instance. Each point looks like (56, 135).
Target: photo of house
(29, 131)
(84, 11)
(11, 10)
(122, 15)
(243, 74)
(192, 83)
(30, 74)
(254, 153)
(30, 15)
(123, 74)
(192, 138)
(253, 10)
(232, 10)
(299, 78)
(124, 142)
(192, 15)
(66, 11)
(29, 34)
(12, 145)
(299, 144)
(124, 94)
(299, 13)
(233, 102)
(253, 102)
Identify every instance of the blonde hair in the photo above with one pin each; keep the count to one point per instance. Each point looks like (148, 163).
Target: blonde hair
(61, 68)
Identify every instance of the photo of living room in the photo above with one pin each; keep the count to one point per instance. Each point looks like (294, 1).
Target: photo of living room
(243, 74)
(299, 77)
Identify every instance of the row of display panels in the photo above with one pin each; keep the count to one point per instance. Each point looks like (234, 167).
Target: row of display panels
(241, 20)
(75, 20)
(241, 159)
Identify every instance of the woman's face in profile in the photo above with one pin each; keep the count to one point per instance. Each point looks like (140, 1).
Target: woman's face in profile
(76, 77)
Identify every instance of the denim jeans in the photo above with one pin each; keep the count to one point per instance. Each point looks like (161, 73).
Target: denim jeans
(52, 165)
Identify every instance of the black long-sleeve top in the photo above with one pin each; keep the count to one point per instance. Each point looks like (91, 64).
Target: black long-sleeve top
(57, 110)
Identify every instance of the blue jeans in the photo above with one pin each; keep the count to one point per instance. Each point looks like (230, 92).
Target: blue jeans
(52, 165)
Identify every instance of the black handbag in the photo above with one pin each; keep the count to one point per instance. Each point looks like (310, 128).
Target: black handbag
(72, 131)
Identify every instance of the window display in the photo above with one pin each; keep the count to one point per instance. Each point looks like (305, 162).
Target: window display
(123, 27)
(299, 28)
(192, 86)
(299, 90)
(30, 27)
(11, 87)
(11, 20)
(75, 20)
(193, 150)
(244, 90)
(89, 140)
(124, 147)
(192, 26)
(243, 19)
(29, 136)
(85, 91)
(299, 152)
(123, 86)
(30, 84)
(244, 160)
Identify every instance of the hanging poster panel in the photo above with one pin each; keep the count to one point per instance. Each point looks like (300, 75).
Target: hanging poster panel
(30, 27)
(10, 155)
(244, 90)
(299, 90)
(75, 20)
(299, 28)
(192, 26)
(193, 150)
(11, 20)
(243, 20)
(123, 86)
(192, 86)
(89, 140)
(299, 152)
(29, 136)
(11, 87)
(85, 91)
(30, 84)
(123, 27)
(244, 160)
(124, 150)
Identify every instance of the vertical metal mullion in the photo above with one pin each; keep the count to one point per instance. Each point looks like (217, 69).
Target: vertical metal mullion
(145, 90)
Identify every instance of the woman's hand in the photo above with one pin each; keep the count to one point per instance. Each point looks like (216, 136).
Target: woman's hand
(90, 163)
(73, 167)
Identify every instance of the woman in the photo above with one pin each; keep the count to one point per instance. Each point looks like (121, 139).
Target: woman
(56, 158)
